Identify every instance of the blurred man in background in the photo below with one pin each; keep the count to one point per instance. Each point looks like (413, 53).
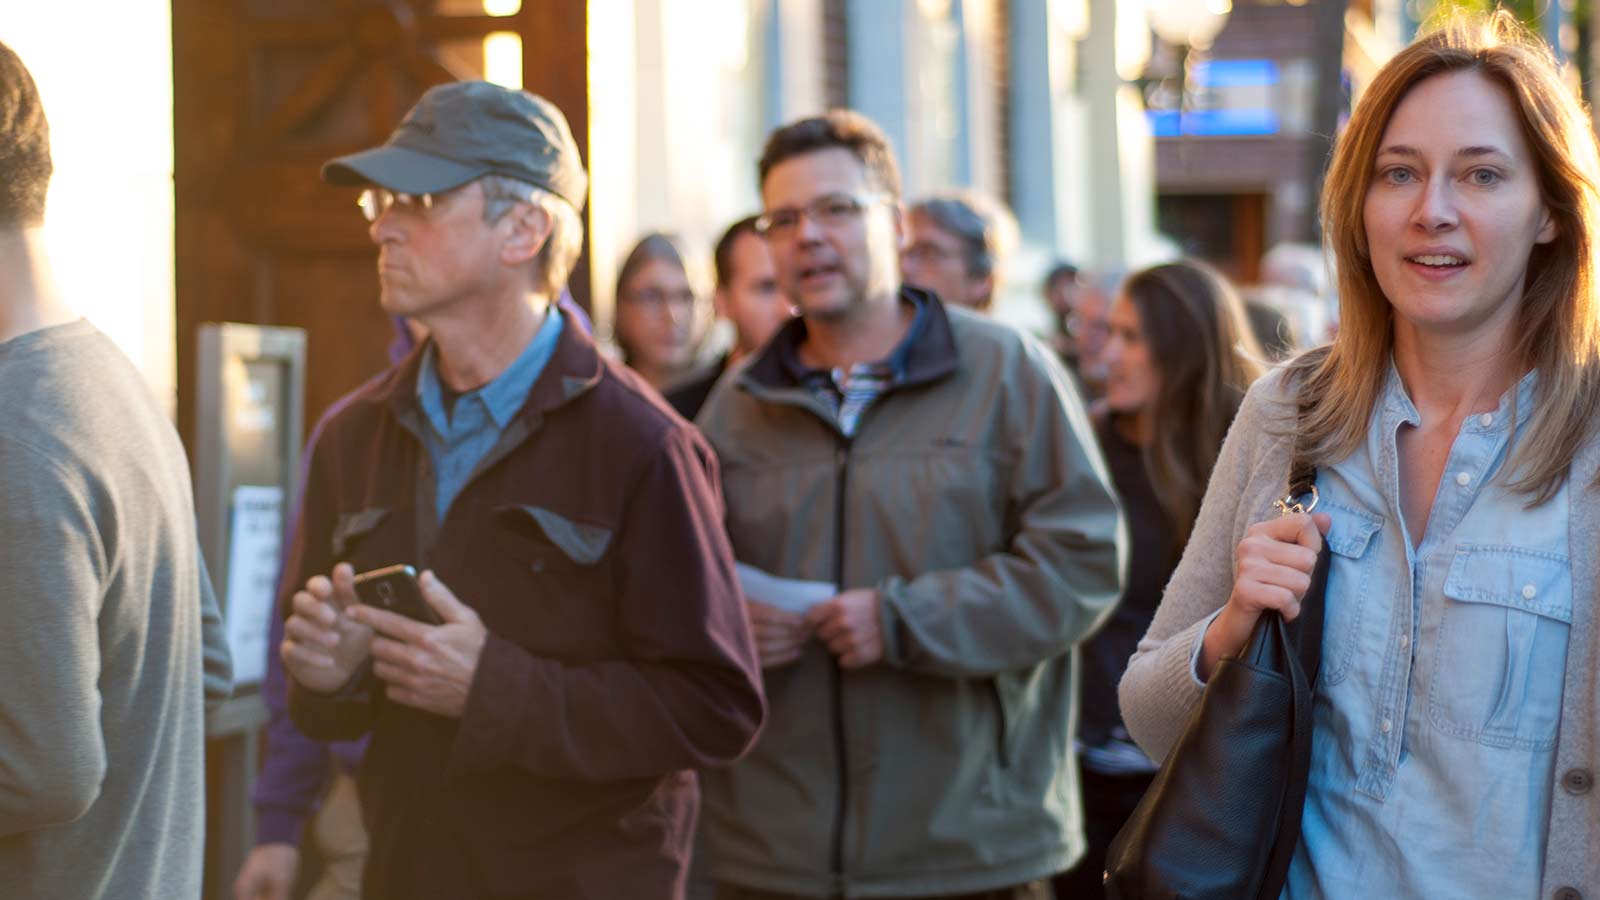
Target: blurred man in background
(958, 246)
(748, 297)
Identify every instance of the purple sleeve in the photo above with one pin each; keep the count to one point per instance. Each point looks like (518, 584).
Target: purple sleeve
(294, 767)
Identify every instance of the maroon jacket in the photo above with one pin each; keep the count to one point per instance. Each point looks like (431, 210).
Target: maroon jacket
(590, 541)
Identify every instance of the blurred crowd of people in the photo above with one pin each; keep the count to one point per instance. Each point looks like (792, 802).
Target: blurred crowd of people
(874, 595)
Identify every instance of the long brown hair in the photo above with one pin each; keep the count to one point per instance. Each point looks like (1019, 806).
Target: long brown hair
(1557, 328)
(1195, 327)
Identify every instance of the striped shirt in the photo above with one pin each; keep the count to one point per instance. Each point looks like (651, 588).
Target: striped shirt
(848, 392)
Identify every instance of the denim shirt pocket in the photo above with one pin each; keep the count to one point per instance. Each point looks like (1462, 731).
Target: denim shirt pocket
(1500, 665)
(1346, 599)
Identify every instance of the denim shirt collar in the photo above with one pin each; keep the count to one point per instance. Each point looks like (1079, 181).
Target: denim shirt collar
(503, 396)
(1517, 400)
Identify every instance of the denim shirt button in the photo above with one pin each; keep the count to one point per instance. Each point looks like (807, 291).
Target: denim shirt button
(1577, 781)
(1528, 591)
(1486, 419)
(1463, 479)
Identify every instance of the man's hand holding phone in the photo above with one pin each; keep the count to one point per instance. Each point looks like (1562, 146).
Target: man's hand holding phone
(428, 667)
(323, 646)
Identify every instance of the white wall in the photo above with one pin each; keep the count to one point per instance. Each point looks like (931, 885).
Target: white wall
(104, 70)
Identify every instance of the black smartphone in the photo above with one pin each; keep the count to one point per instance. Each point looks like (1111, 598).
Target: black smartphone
(395, 589)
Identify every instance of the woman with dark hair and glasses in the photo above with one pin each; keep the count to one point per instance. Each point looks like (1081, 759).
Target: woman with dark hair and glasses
(1178, 359)
(659, 318)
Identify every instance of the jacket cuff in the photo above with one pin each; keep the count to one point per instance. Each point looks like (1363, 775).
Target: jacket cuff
(275, 825)
(345, 714)
(891, 592)
(488, 734)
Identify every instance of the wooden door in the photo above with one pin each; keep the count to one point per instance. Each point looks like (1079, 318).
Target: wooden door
(265, 91)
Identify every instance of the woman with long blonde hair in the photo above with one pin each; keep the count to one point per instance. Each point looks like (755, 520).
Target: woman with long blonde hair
(1451, 427)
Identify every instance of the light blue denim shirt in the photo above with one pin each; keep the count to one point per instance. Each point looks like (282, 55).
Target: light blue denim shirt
(1442, 670)
(458, 439)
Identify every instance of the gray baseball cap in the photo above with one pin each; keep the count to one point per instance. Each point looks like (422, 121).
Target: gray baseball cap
(465, 130)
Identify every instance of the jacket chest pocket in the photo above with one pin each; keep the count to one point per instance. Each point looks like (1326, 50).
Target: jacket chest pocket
(360, 538)
(557, 599)
(1347, 602)
(1500, 665)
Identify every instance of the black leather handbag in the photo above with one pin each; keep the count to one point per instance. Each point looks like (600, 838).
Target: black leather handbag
(1222, 817)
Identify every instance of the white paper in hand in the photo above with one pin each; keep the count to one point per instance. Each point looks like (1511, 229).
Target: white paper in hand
(790, 594)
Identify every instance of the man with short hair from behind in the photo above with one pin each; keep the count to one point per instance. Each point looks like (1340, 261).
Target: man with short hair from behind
(931, 480)
(747, 296)
(112, 646)
(958, 244)
(542, 739)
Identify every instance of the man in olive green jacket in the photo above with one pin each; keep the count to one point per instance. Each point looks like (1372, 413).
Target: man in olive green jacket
(938, 471)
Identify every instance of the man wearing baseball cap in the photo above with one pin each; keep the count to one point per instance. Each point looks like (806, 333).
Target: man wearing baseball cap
(590, 648)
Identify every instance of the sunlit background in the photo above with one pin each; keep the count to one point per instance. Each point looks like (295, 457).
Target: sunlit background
(1096, 135)
(108, 93)
(109, 226)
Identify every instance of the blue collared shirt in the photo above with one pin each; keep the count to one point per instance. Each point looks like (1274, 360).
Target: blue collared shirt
(1442, 670)
(458, 439)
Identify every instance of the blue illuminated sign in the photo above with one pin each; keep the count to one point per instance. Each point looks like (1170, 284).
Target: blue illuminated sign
(1238, 101)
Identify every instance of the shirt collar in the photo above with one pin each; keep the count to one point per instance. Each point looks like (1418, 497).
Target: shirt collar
(503, 396)
(893, 365)
(1519, 397)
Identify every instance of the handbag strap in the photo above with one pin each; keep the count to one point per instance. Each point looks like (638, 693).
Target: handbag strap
(1304, 636)
(1306, 630)
(1303, 473)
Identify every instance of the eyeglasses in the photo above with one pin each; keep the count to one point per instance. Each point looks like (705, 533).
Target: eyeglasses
(656, 298)
(926, 253)
(375, 201)
(828, 211)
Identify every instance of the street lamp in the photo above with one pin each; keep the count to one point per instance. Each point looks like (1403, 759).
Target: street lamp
(1187, 25)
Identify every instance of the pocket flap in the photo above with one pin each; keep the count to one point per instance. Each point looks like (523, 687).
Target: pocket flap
(583, 544)
(1534, 581)
(1352, 529)
(353, 525)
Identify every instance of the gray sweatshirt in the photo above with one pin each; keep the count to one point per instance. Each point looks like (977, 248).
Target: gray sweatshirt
(111, 645)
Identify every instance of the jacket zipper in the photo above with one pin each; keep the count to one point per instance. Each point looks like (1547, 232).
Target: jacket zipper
(836, 679)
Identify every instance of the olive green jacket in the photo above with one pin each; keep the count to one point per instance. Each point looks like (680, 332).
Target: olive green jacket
(974, 499)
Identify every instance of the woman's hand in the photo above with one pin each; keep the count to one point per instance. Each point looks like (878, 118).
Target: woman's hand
(1272, 570)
